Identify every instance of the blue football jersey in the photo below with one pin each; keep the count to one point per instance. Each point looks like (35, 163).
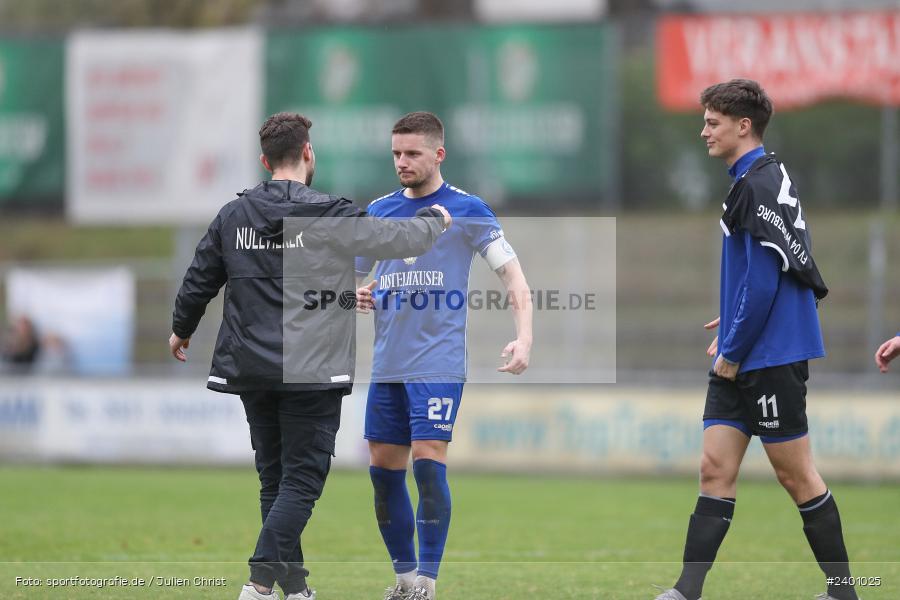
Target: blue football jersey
(421, 302)
(768, 317)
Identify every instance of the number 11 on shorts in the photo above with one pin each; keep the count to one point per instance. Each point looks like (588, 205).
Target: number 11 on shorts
(434, 408)
(765, 402)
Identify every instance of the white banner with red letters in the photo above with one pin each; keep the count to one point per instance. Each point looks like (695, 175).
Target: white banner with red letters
(161, 125)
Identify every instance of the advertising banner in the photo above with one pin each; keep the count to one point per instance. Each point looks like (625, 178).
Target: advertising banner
(84, 317)
(31, 120)
(140, 421)
(799, 58)
(162, 125)
(646, 431)
(525, 108)
(504, 429)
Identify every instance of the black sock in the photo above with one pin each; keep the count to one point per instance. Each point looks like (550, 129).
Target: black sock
(706, 530)
(822, 526)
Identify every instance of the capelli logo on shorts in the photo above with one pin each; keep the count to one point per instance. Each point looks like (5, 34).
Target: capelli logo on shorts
(769, 424)
(444, 426)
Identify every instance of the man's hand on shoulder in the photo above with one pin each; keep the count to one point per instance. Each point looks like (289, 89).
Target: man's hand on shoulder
(177, 346)
(725, 368)
(448, 220)
(516, 354)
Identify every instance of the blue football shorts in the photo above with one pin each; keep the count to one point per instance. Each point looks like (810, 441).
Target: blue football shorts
(397, 413)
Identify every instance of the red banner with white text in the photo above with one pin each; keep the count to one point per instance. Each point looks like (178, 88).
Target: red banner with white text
(800, 59)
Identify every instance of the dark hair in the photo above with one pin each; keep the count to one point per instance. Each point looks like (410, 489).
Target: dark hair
(741, 98)
(422, 122)
(282, 137)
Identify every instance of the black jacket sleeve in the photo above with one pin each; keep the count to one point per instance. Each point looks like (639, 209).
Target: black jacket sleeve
(354, 233)
(202, 282)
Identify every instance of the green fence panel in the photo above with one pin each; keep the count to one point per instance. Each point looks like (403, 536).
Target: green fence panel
(526, 108)
(32, 142)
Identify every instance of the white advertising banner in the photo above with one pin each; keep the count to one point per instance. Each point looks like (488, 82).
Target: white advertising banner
(527, 429)
(519, 11)
(84, 317)
(140, 421)
(613, 430)
(161, 125)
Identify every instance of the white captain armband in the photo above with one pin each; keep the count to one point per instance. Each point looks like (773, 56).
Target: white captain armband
(498, 253)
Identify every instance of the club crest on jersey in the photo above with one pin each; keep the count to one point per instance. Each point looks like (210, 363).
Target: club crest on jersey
(410, 260)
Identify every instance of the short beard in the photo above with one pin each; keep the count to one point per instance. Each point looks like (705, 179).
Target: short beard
(309, 177)
(416, 183)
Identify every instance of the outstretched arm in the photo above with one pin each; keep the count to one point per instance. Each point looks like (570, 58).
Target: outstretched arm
(380, 238)
(518, 351)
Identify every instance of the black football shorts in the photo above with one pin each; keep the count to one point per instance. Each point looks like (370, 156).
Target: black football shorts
(770, 402)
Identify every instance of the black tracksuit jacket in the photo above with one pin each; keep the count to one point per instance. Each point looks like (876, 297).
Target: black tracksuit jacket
(285, 254)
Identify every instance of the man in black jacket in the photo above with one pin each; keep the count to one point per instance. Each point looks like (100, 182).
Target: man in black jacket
(285, 254)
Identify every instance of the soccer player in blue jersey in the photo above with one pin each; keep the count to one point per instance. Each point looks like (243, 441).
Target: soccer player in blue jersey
(768, 330)
(419, 364)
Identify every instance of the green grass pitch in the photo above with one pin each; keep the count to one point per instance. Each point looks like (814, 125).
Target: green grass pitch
(512, 537)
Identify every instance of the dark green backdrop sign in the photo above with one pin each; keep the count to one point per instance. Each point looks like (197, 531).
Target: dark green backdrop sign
(32, 141)
(526, 108)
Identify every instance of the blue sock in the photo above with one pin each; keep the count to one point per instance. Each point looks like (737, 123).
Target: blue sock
(433, 516)
(393, 510)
